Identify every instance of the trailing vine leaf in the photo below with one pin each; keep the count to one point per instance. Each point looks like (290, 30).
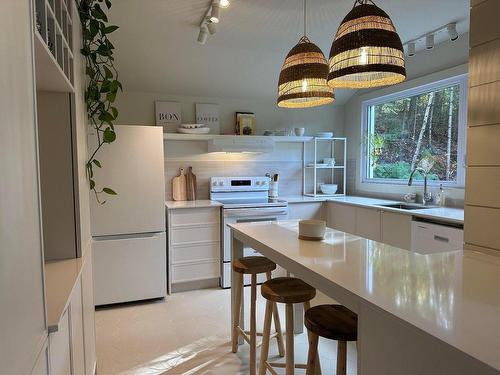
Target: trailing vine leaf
(102, 81)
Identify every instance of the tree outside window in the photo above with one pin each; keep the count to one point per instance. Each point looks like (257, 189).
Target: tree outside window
(420, 125)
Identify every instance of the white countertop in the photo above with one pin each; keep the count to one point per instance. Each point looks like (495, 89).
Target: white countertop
(60, 279)
(451, 296)
(202, 203)
(448, 214)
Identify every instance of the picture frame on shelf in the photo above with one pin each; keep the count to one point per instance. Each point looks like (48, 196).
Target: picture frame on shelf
(245, 123)
(168, 115)
(208, 114)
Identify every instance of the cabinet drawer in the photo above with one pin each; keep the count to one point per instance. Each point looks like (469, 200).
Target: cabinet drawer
(194, 216)
(191, 234)
(195, 252)
(193, 271)
(431, 238)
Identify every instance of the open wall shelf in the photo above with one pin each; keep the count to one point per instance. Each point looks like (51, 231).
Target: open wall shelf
(54, 45)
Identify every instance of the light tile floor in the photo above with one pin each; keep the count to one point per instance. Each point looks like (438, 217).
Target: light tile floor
(187, 334)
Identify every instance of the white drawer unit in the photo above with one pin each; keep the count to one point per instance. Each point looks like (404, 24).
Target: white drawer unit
(429, 238)
(194, 245)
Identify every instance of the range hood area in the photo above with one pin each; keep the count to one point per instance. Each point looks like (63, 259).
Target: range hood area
(241, 144)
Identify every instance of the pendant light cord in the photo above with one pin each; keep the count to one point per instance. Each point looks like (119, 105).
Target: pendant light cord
(305, 17)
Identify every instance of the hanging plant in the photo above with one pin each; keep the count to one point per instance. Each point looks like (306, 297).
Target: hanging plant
(102, 82)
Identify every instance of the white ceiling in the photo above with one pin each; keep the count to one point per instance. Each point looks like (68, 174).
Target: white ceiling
(157, 49)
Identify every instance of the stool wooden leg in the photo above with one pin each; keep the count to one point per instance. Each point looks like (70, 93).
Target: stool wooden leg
(341, 357)
(313, 354)
(237, 310)
(253, 326)
(277, 325)
(317, 366)
(264, 351)
(290, 360)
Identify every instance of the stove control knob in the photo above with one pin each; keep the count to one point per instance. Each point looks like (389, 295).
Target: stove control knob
(257, 183)
(263, 183)
(214, 183)
(221, 183)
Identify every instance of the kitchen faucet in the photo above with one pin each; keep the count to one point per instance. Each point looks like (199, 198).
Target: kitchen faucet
(427, 197)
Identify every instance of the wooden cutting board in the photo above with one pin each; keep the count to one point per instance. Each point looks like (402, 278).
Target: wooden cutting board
(191, 185)
(179, 186)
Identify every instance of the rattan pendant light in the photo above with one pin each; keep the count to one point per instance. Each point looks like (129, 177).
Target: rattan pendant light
(367, 51)
(302, 82)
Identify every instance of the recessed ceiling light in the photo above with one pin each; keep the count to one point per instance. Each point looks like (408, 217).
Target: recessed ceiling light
(224, 3)
(212, 28)
(411, 49)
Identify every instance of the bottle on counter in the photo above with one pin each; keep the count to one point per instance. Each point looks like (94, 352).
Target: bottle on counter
(441, 197)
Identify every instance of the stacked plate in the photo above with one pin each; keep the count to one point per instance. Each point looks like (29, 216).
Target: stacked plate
(324, 134)
(193, 129)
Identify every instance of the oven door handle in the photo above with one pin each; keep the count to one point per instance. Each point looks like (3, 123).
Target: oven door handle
(259, 211)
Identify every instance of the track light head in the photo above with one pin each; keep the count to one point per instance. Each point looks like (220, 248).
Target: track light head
(429, 41)
(203, 35)
(224, 3)
(212, 28)
(214, 14)
(452, 31)
(411, 49)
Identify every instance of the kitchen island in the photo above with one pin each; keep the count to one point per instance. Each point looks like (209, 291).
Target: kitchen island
(418, 314)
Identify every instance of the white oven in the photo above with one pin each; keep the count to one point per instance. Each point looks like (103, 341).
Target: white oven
(245, 200)
(247, 215)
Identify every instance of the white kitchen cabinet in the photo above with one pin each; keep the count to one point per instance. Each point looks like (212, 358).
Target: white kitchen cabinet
(60, 348)
(396, 229)
(42, 362)
(194, 246)
(76, 325)
(368, 223)
(306, 211)
(341, 217)
(88, 312)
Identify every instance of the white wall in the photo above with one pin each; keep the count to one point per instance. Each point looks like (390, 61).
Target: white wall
(446, 60)
(137, 108)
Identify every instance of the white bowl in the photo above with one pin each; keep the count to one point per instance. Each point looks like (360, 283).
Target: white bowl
(299, 132)
(312, 229)
(204, 130)
(324, 134)
(329, 189)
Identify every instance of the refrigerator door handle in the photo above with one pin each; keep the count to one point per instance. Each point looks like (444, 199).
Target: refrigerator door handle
(129, 236)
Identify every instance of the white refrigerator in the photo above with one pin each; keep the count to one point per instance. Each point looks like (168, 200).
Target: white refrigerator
(129, 240)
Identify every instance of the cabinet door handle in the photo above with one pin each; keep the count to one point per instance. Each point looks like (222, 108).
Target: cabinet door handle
(441, 239)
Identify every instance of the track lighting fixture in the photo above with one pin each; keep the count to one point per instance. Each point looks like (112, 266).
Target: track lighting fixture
(452, 31)
(224, 3)
(411, 49)
(203, 35)
(429, 41)
(212, 28)
(214, 14)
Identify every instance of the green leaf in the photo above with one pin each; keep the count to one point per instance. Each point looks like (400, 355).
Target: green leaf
(110, 29)
(108, 72)
(92, 184)
(111, 97)
(115, 112)
(109, 191)
(109, 135)
(108, 3)
(97, 162)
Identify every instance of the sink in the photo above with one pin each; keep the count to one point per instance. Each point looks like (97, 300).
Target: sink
(406, 206)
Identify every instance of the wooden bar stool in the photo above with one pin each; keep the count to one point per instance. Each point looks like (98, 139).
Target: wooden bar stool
(287, 290)
(253, 266)
(334, 322)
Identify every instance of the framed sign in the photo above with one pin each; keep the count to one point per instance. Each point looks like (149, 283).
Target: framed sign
(208, 114)
(168, 115)
(245, 123)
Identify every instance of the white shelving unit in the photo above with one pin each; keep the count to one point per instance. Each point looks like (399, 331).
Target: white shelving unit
(207, 137)
(53, 31)
(311, 171)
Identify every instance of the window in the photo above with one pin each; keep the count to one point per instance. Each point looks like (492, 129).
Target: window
(420, 129)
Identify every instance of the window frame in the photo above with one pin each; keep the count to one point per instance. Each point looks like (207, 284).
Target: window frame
(462, 81)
